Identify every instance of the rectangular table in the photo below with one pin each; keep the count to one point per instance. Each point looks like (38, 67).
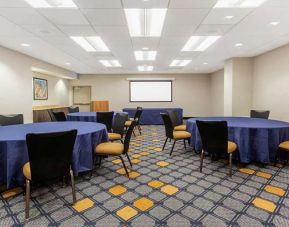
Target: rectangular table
(151, 116)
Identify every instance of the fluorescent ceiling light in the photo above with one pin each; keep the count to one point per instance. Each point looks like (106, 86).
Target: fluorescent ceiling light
(145, 68)
(179, 63)
(67, 63)
(110, 63)
(51, 3)
(239, 44)
(274, 23)
(90, 43)
(25, 44)
(145, 55)
(239, 3)
(199, 43)
(205, 63)
(145, 22)
(229, 17)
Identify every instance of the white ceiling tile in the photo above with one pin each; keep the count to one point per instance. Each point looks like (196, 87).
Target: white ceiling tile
(145, 4)
(186, 4)
(64, 16)
(43, 30)
(151, 43)
(10, 29)
(22, 15)
(91, 4)
(212, 29)
(13, 3)
(185, 16)
(105, 17)
(217, 16)
(77, 30)
(179, 30)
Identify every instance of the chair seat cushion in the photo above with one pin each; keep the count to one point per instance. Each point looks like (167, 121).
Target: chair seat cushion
(181, 135)
(27, 171)
(109, 149)
(114, 136)
(284, 145)
(232, 147)
(127, 123)
(180, 128)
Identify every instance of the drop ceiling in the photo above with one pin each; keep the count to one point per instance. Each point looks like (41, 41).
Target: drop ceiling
(47, 33)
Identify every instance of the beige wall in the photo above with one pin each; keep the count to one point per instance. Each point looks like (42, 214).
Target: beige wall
(16, 94)
(190, 92)
(271, 83)
(217, 93)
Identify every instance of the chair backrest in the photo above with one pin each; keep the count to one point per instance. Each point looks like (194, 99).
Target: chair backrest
(214, 136)
(12, 119)
(51, 115)
(73, 109)
(174, 117)
(168, 125)
(59, 116)
(50, 154)
(138, 114)
(105, 118)
(128, 136)
(119, 123)
(260, 114)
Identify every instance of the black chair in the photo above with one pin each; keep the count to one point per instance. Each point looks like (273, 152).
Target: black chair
(214, 136)
(117, 149)
(260, 114)
(117, 127)
(12, 119)
(136, 118)
(51, 115)
(176, 121)
(50, 157)
(105, 118)
(173, 135)
(73, 109)
(59, 115)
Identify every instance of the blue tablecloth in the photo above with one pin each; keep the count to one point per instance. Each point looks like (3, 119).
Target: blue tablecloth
(151, 116)
(13, 150)
(257, 139)
(85, 116)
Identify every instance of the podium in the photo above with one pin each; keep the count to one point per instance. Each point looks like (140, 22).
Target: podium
(96, 106)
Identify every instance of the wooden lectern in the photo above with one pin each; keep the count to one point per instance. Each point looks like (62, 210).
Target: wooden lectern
(96, 106)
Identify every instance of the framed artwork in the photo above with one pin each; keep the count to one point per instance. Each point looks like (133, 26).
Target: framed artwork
(40, 89)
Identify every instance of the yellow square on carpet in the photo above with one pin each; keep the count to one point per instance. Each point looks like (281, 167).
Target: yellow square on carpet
(83, 204)
(274, 190)
(162, 163)
(247, 171)
(117, 190)
(264, 175)
(126, 213)
(143, 204)
(155, 184)
(264, 204)
(116, 161)
(169, 189)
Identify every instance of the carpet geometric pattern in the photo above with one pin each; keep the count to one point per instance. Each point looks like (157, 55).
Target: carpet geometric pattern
(162, 190)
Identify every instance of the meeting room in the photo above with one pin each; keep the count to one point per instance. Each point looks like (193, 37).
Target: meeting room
(144, 113)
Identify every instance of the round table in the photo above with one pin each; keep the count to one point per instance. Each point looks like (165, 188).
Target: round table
(14, 154)
(86, 116)
(257, 139)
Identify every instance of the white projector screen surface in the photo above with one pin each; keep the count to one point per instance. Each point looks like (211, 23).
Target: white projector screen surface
(151, 91)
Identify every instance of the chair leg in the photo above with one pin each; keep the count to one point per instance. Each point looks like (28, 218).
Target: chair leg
(165, 143)
(202, 159)
(133, 132)
(230, 164)
(185, 144)
(173, 147)
(124, 166)
(139, 129)
(72, 186)
(27, 199)
(128, 159)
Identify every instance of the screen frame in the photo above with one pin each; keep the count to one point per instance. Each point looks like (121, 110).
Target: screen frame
(171, 82)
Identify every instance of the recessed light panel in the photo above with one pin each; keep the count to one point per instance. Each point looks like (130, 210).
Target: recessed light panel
(200, 43)
(145, 68)
(145, 22)
(179, 63)
(145, 55)
(239, 3)
(51, 3)
(90, 43)
(110, 63)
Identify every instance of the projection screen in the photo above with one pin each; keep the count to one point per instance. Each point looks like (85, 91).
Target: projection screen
(151, 91)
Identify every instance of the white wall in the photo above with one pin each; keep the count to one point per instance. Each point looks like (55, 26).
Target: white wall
(271, 83)
(217, 93)
(16, 93)
(190, 92)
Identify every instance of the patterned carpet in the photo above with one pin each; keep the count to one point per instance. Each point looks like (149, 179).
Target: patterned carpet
(161, 191)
